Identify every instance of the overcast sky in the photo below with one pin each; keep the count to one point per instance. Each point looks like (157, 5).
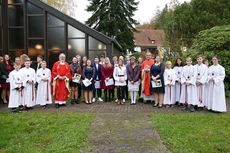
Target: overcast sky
(146, 9)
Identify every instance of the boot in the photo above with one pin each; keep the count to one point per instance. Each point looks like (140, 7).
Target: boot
(121, 101)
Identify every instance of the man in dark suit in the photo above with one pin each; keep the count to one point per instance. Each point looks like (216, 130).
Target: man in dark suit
(79, 85)
(97, 79)
(37, 65)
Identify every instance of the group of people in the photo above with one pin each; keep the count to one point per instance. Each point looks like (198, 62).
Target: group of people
(192, 86)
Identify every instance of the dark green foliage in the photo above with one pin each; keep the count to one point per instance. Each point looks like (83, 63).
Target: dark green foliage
(114, 18)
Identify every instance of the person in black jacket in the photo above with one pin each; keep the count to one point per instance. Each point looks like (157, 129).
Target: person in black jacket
(1, 60)
(5, 69)
(37, 65)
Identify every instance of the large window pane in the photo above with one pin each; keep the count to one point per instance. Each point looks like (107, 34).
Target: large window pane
(15, 1)
(0, 15)
(95, 44)
(73, 32)
(15, 15)
(34, 9)
(36, 47)
(36, 25)
(56, 38)
(53, 21)
(92, 54)
(16, 37)
(14, 54)
(53, 57)
(75, 47)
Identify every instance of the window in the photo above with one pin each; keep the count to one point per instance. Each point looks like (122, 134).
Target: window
(16, 38)
(35, 48)
(75, 33)
(36, 26)
(15, 1)
(15, 15)
(34, 9)
(53, 57)
(56, 38)
(93, 54)
(75, 47)
(53, 21)
(95, 44)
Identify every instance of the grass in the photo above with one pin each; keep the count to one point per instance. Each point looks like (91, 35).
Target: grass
(44, 132)
(194, 133)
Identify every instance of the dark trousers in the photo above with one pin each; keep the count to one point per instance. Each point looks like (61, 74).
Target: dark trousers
(107, 93)
(98, 92)
(139, 92)
(1, 95)
(120, 92)
(126, 92)
(113, 90)
(79, 91)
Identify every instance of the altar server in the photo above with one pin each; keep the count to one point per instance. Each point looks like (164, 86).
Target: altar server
(216, 75)
(202, 74)
(16, 87)
(29, 81)
(188, 81)
(169, 79)
(178, 67)
(43, 78)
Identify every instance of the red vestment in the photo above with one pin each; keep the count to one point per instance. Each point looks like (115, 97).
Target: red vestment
(147, 65)
(61, 91)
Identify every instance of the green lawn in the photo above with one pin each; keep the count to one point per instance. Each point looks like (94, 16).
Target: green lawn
(198, 133)
(44, 132)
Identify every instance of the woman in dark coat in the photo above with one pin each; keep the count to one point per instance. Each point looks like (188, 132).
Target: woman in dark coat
(5, 69)
(106, 74)
(75, 70)
(88, 73)
(156, 73)
(133, 74)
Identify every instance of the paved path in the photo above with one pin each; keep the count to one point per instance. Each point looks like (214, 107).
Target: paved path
(133, 133)
(109, 107)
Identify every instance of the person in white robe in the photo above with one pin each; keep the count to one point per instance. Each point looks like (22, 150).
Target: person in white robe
(43, 78)
(16, 87)
(188, 80)
(178, 67)
(202, 74)
(29, 82)
(169, 80)
(216, 75)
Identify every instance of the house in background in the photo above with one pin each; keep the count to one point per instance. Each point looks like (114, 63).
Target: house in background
(149, 40)
(32, 27)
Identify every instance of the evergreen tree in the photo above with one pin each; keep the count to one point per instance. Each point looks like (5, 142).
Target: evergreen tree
(114, 18)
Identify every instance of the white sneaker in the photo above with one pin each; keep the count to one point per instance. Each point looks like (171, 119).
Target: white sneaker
(100, 100)
(116, 100)
(123, 100)
(93, 100)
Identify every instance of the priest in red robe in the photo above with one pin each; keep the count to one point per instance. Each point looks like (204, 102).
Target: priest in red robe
(61, 77)
(145, 78)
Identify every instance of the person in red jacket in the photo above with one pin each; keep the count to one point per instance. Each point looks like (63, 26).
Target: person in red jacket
(107, 75)
(60, 81)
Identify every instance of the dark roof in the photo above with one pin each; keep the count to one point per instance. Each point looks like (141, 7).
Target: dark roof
(73, 22)
(144, 37)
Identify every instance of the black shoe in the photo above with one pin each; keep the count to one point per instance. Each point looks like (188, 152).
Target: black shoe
(192, 108)
(14, 110)
(57, 105)
(44, 107)
(64, 105)
(184, 108)
(76, 101)
(72, 101)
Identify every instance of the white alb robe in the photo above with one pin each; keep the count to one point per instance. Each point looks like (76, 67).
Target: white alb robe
(16, 96)
(29, 90)
(169, 78)
(44, 87)
(216, 100)
(206, 91)
(189, 93)
(202, 74)
(178, 86)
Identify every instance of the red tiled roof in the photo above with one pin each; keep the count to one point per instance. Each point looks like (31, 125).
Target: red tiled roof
(144, 37)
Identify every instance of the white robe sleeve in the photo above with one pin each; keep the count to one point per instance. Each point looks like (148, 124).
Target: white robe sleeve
(49, 75)
(173, 77)
(204, 76)
(33, 78)
(13, 84)
(221, 75)
(38, 77)
(194, 76)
